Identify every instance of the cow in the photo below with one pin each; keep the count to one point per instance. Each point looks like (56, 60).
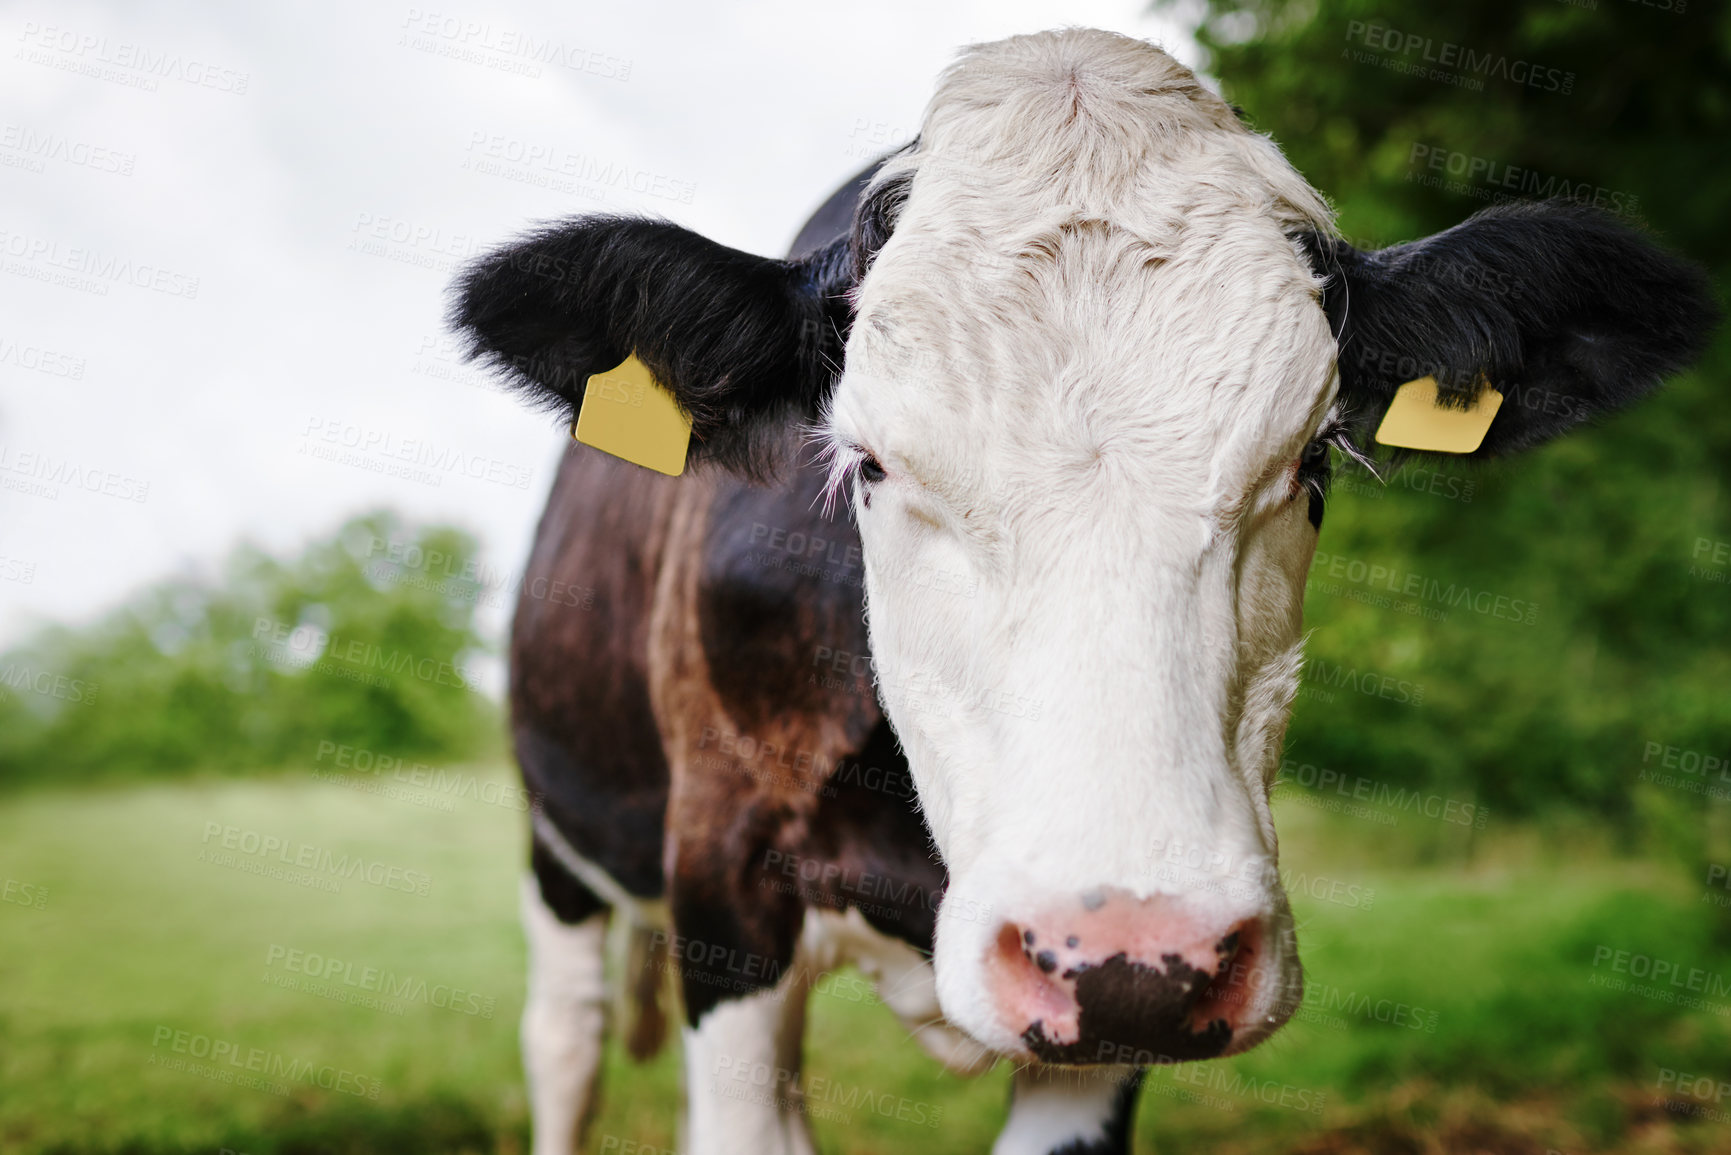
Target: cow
(984, 592)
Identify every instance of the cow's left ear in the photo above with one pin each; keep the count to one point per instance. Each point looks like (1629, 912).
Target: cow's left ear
(1564, 310)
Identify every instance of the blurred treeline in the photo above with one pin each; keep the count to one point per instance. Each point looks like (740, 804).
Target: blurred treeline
(367, 638)
(1603, 529)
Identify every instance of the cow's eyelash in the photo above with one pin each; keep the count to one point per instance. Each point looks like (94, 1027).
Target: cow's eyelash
(843, 460)
(1313, 473)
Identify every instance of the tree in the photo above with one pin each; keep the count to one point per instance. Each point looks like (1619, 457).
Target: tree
(1411, 116)
(366, 639)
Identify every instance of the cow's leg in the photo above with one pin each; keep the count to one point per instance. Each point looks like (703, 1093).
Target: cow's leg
(742, 1063)
(1074, 1110)
(905, 984)
(564, 1016)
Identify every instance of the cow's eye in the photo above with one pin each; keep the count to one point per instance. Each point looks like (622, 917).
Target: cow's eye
(870, 471)
(1310, 471)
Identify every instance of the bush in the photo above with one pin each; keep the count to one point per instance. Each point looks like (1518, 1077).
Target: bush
(367, 638)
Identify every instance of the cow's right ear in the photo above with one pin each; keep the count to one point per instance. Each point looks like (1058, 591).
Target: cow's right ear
(742, 342)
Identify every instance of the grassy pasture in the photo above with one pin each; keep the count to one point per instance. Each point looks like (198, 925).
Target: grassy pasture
(1458, 1003)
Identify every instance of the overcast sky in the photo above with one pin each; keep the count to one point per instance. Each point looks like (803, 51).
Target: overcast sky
(226, 231)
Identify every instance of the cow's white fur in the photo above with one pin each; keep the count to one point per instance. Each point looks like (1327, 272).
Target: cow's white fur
(1088, 358)
(904, 979)
(564, 1018)
(742, 1064)
(1060, 1108)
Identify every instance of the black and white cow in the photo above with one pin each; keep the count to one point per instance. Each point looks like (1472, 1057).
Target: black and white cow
(1076, 358)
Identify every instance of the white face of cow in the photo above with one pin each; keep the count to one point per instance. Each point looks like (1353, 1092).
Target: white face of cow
(1074, 410)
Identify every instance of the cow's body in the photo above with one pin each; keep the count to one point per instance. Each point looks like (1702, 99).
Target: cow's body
(692, 701)
(705, 676)
(1076, 359)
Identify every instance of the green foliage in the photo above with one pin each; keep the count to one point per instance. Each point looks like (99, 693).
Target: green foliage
(345, 643)
(1601, 530)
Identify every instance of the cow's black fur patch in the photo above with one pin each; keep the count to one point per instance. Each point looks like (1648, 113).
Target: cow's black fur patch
(876, 220)
(1118, 1126)
(1314, 473)
(741, 341)
(1568, 312)
(1127, 1006)
(569, 900)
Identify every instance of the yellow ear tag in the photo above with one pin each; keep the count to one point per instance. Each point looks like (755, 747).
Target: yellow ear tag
(1415, 421)
(625, 412)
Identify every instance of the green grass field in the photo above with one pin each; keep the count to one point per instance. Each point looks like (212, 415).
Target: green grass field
(1463, 1005)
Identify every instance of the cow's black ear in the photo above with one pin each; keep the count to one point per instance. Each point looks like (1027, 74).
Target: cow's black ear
(879, 208)
(1569, 313)
(742, 342)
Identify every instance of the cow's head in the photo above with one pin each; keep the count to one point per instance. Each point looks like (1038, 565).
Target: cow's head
(1098, 339)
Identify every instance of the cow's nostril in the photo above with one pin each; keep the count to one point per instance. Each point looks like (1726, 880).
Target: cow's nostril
(1234, 980)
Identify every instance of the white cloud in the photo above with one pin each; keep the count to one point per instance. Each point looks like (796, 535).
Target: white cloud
(355, 127)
